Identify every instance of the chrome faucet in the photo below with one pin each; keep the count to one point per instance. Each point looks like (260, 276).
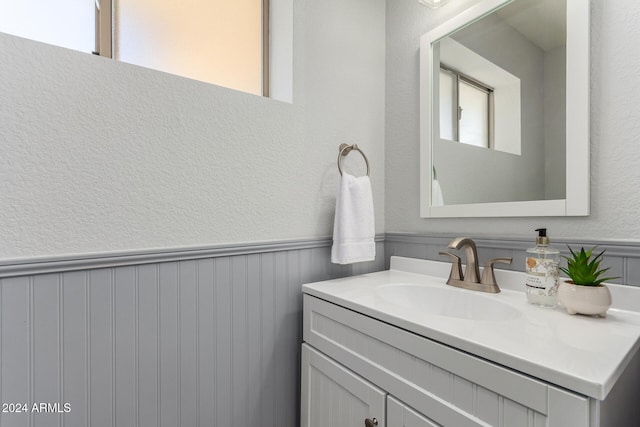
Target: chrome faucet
(471, 278)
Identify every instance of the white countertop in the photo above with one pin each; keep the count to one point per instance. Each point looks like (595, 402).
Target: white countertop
(580, 353)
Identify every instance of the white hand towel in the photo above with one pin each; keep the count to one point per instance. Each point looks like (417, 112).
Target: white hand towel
(354, 225)
(436, 194)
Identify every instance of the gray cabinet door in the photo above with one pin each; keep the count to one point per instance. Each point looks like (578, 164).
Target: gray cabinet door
(334, 396)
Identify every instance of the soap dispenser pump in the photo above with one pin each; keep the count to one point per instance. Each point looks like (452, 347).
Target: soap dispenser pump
(542, 272)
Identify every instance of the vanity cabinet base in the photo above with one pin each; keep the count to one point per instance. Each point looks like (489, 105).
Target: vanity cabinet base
(424, 382)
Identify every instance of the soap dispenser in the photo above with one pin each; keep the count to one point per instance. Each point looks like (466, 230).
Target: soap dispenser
(542, 272)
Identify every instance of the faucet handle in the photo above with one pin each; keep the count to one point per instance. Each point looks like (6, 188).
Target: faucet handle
(456, 266)
(488, 277)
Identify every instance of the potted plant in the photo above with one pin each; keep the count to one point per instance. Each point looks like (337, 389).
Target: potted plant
(585, 293)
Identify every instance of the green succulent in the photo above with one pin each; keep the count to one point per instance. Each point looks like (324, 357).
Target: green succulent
(583, 269)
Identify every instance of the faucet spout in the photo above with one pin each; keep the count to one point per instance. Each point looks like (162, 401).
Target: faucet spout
(472, 270)
(471, 279)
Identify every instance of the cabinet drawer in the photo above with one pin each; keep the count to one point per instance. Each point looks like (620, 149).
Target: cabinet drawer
(400, 415)
(461, 389)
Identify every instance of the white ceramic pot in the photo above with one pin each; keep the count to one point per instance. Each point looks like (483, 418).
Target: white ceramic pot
(591, 300)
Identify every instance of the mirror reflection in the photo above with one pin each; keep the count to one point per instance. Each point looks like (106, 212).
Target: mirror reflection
(498, 107)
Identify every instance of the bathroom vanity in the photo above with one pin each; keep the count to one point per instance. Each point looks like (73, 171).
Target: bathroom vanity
(400, 348)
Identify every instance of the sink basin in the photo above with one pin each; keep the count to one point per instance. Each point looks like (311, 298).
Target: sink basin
(442, 300)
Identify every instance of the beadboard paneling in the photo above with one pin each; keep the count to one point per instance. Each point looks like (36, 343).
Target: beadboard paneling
(190, 340)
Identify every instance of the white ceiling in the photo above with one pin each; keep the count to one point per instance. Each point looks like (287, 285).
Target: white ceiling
(541, 21)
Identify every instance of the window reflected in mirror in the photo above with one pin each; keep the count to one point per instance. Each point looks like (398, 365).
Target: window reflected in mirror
(466, 109)
(480, 101)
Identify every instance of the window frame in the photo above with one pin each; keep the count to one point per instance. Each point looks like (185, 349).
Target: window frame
(104, 28)
(459, 78)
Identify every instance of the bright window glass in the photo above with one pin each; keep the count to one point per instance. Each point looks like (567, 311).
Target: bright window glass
(66, 23)
(474, 115)
(216, 41)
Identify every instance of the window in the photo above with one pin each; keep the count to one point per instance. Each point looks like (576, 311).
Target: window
(466, 109)
(66, 23)
(224, 42)
(216, 41)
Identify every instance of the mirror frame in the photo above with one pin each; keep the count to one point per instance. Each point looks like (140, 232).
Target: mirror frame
(577, 201)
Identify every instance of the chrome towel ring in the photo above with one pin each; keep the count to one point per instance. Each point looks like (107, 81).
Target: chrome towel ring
(345, 149)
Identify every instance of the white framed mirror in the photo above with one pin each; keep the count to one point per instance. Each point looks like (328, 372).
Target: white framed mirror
(504, 111)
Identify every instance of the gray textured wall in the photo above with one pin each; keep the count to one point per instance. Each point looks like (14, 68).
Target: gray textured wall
(98, 155)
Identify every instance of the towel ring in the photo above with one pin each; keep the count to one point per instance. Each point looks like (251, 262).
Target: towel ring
(346, 149)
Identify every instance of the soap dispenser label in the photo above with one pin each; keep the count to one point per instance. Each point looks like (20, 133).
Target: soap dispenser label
(542, 275)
